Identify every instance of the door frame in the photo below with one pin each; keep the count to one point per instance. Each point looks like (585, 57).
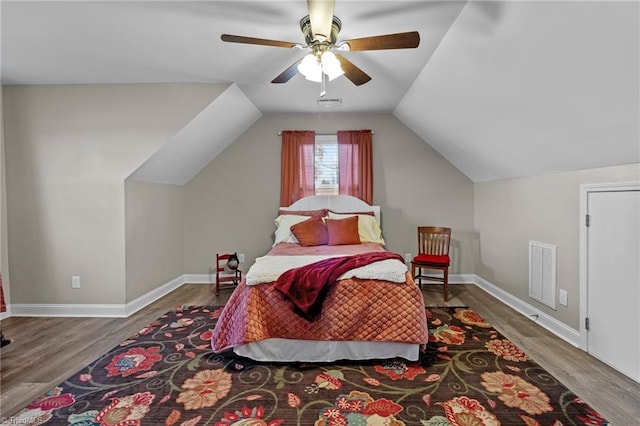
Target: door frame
(585, 189)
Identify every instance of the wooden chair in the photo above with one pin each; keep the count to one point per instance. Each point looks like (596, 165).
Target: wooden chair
(225, 277)
(433, 253)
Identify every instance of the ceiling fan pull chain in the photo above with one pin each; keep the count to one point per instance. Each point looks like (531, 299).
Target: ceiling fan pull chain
(323, 83)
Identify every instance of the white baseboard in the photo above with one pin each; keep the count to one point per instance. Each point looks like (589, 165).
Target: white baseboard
(462, 279)
(560, 329)
(455, 279)
(198, 279)
(67, 310)
(155, 294)
(102, 310)
(124, 310)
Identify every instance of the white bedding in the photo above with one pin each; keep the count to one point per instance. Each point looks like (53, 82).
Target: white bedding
(267, 269)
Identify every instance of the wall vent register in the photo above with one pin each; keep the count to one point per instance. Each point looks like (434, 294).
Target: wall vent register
(542, 273)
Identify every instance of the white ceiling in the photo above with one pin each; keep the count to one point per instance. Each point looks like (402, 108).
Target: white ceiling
(501, 89)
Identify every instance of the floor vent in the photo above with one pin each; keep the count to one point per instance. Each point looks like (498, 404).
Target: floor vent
(542, 273)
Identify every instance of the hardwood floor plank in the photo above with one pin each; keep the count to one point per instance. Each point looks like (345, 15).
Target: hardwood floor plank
(46, 351)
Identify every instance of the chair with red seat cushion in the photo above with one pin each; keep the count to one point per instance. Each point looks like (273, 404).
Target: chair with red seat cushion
(433, 253)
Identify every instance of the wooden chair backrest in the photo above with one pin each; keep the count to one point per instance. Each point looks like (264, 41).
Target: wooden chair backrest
(221, 261)
(433, 240)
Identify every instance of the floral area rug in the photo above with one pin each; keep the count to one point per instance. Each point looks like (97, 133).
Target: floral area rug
(166, 374)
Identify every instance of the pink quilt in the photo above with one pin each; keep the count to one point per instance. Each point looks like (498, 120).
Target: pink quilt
(354, 309)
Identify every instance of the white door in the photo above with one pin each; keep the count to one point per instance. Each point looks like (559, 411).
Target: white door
(613, 279)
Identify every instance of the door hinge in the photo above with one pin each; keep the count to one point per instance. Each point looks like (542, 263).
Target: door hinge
(586, 323)
(587, 220)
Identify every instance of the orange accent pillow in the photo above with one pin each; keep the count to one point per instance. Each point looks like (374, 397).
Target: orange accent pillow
(311, 232)
(343, 231)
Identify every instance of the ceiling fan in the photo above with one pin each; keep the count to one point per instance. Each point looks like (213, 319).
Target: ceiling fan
(320, 29)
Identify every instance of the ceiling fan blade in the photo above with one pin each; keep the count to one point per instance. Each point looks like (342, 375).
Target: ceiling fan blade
(288, 74)
(352, 72)
(321, 17)
(407, 40)
(259, 41)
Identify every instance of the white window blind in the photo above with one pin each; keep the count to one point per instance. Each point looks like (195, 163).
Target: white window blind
(326, 165)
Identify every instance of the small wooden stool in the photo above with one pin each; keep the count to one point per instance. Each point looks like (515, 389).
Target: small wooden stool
(225, 277)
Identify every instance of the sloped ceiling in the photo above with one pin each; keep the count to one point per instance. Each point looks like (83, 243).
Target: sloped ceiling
(201, 140)
(501, 89)
(528, 88)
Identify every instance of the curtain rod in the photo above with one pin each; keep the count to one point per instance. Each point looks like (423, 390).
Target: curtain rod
(326, 134)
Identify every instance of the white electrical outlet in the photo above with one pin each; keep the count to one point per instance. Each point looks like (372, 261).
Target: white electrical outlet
(563, 297)
(241, 257)
(407, 257)
(75, 281)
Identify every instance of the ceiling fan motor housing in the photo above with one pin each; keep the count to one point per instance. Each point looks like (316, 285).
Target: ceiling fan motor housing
(311, 39)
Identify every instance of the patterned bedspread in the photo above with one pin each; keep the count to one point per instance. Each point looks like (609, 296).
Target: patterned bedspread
(354, 309)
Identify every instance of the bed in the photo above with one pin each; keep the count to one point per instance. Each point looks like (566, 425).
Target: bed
(373, 310)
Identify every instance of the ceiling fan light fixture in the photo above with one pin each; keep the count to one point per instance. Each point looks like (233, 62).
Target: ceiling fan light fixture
(330, 65)
(310, 68)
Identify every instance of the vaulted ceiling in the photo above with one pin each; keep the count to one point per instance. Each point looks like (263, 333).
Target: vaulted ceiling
(500, 89)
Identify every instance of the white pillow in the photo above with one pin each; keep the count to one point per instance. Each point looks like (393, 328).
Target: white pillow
(368, 229)
(284, 223)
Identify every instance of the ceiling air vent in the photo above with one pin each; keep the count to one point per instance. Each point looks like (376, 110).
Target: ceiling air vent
(330, 103)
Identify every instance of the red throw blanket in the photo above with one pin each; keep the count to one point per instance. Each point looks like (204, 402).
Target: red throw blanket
(308, 285)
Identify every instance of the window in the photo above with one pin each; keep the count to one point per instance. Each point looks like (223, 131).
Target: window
(326, 165)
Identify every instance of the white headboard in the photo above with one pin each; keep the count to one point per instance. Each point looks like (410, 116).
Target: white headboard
(337, 203)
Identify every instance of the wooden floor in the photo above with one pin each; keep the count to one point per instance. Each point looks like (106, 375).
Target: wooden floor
(45, 351)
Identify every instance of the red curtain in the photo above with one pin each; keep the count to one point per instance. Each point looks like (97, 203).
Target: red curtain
(355, 164)
(297, 174)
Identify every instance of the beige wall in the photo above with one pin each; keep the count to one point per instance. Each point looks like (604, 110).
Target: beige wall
(510, 212)
(231, 203)
(4, 264)
(69, 150)
(154, 218)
